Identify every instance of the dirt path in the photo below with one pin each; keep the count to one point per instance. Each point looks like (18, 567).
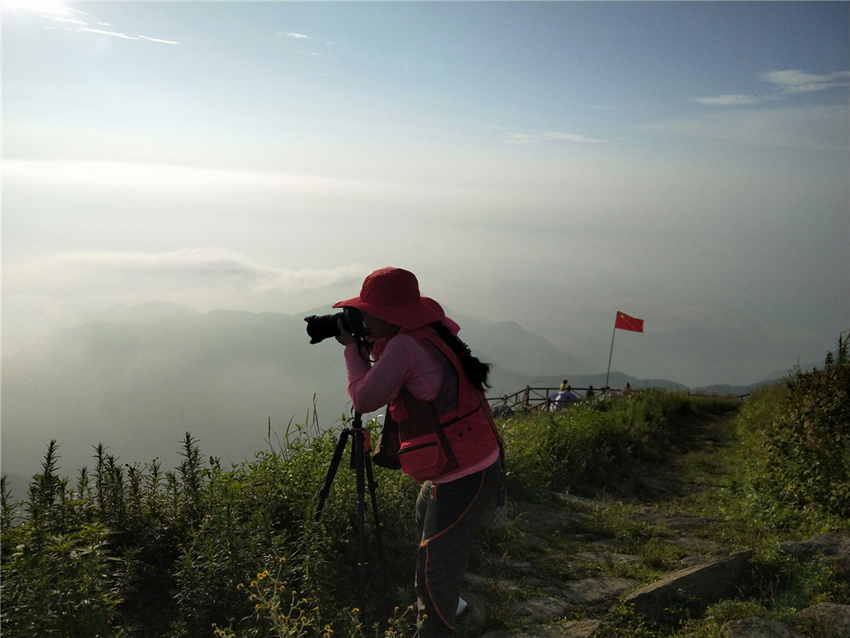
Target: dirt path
(574, 557)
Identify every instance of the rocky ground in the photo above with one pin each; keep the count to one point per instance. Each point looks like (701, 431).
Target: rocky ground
(575, 565)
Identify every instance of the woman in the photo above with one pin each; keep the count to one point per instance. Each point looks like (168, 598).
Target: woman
(447, 438)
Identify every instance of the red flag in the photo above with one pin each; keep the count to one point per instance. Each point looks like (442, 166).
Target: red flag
(625, 322)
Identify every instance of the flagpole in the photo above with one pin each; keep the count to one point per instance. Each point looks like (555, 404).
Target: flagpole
(610, 354)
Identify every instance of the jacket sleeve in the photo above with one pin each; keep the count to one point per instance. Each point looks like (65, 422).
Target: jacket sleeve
(372, 386)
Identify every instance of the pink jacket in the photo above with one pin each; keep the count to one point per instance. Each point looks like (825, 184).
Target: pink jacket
(409, 378)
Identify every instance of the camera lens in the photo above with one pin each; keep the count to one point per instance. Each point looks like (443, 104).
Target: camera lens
(321, 327)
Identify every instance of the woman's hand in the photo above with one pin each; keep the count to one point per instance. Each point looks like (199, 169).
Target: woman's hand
(344, 337)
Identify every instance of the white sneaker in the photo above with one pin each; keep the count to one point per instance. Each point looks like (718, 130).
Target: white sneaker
(461, 607)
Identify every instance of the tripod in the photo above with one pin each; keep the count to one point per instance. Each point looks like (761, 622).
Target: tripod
(361, 463)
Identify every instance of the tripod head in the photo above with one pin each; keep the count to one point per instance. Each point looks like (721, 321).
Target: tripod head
(358, 430)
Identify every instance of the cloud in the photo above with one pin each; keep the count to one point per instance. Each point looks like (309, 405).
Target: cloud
(80, 22)
(786, 83)
(734, 100)
(72, 21)
(125, 36)
(541, 137)
(794, 81)
(811, 127)
(186, 268)
(297, 36)
(61, 289)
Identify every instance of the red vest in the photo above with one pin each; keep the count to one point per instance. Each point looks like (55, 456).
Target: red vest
(452, 432)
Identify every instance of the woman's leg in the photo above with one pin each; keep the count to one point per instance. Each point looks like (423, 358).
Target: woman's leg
(449, 515)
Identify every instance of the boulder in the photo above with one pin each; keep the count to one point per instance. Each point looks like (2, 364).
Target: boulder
(756, 627)
(826, 619)
(834, 547)
(700, 585)
(572, 629)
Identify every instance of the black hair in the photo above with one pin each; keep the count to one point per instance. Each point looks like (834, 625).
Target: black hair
(476, 370)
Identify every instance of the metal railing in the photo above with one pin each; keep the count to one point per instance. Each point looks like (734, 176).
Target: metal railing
(539, 398)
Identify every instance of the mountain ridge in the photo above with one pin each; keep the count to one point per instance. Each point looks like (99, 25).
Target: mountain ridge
(138, 378)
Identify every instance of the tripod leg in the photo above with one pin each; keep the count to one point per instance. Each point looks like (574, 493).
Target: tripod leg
(329, 477)
(376, 520)
(358, 459)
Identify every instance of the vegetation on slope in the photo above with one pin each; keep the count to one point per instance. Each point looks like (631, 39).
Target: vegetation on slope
(203, 550)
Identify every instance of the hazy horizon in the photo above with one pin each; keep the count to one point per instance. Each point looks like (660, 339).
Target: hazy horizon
(135, 379)
(546, 163)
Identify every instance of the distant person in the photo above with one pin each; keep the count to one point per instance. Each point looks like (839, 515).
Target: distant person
(564, 385)
(627, 389)
(448, 440)
(502, 409)
(560, 400)
(590, 393)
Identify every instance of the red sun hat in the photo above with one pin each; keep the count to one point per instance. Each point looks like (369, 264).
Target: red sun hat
(392, 294)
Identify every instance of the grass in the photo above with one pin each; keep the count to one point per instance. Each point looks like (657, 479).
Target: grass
(237, 552)
(727, 482)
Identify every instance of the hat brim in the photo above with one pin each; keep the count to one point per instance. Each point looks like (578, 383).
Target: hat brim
(415, 315)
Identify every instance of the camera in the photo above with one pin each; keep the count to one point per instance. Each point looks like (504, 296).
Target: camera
(323, 327)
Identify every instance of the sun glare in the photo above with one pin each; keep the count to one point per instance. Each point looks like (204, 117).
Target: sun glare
(47, 7)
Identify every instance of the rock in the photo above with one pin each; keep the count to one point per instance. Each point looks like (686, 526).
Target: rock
(826, 619)
(518, 566)
(602, 558)
(686, 522)
(491, 584)
(693, 561)
(704, 583)
(833, 546)
(539, 518)
(533, 540)
(572, 629)
(696, 545)
(756, 627)
(539, 609)
(592, 591)
(578, 502)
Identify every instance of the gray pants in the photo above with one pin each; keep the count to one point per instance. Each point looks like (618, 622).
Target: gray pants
(449, 515)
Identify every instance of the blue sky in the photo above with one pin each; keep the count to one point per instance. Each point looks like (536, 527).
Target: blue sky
(542, 162)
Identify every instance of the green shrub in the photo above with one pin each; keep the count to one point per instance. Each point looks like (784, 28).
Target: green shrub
(135, 551)
(59, 585)
(798, 434)
(597, 444)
